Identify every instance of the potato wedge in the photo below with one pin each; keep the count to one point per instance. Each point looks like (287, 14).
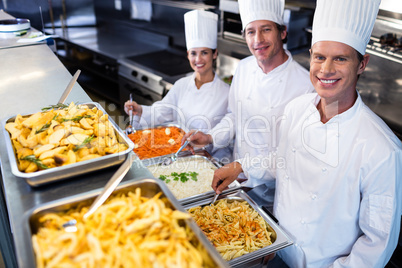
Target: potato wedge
(41, 149)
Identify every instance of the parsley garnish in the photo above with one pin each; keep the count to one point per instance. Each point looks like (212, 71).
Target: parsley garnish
(183, 177)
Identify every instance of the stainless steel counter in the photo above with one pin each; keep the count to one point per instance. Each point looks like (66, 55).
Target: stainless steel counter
(32, 77)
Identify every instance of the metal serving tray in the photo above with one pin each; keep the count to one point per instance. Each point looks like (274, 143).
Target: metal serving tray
(201, 155)
(282, 240)
(167, 125)
(149, 188)
(59, 173)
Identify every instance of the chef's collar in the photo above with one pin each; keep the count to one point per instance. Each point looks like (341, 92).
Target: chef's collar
(277, 69)
(342, 117)
(205, 85)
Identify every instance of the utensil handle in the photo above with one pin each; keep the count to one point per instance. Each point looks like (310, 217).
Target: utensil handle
(111, 185)
(69, 87)
(185, 143)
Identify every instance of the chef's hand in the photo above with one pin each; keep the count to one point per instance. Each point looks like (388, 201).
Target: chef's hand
(135, 107)
(225, 176)
(198, 140)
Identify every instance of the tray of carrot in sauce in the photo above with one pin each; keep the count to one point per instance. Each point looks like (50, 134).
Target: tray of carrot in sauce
(157, 141)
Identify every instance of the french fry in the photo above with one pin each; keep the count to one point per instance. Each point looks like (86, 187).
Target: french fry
(128, 230)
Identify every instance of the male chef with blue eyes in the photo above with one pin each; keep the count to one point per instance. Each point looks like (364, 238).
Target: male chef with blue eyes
(338, 188)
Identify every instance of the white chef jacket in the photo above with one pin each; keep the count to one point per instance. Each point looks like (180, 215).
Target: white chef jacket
(256, 104)
(338, 187)
(189, 107)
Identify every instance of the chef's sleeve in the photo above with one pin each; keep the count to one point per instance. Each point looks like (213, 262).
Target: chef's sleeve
(261, 167)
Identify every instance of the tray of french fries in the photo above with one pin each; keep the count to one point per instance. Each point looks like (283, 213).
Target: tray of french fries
(239, 229)
(63, 141)
(140, 225)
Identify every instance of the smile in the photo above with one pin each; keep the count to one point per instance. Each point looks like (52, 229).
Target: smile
(328, 81)
(261, 48)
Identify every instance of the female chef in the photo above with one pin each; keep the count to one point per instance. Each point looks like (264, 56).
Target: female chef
(198, 101)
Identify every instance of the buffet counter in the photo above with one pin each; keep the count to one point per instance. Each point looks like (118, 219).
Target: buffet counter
(32, 77)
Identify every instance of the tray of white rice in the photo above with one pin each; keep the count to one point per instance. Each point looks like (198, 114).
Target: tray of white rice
(189, 178)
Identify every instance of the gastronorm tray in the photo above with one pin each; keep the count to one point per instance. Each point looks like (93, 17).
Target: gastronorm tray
(167, 125)
(149, 188)
(199, 155)
(42, 177)
(282, 239)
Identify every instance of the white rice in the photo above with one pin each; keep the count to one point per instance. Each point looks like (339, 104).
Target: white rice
(180, 190)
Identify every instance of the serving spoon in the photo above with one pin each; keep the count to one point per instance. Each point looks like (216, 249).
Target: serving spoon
(70, 226)
(129, 128)
(69, 87)
(168, 161)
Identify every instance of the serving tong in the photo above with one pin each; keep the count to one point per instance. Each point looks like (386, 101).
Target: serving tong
(216, 195)
(71, 225)
(169, 160)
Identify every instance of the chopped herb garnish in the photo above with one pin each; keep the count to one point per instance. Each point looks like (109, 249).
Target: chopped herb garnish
(35, 160)
(76, 119)
(193, 175)
(84, 143)
(47, 125)
(56, 107)
(183, 177)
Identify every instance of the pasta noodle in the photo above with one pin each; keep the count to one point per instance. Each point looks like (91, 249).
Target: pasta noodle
(233, 227)
(127, 231)
(156, 141)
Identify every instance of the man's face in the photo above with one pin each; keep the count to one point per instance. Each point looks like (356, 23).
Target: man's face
(334, 69)
(264, 40)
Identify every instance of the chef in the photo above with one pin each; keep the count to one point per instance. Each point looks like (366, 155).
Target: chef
(197, 101)
(262, 85)
(338, 193)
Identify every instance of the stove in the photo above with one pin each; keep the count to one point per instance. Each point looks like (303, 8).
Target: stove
(149, 76)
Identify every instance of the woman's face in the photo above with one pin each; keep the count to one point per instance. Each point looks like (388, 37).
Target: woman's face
(201, 59)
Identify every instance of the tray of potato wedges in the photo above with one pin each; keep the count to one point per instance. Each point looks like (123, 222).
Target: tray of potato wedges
(63, 141)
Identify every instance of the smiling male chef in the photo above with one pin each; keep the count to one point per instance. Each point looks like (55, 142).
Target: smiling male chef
(338, 193)
(262, 85)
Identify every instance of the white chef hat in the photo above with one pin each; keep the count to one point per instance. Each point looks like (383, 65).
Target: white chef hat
(347, 21)
(201, 29)
(261, 10)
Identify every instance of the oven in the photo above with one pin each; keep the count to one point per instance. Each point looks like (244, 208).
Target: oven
(150, 76)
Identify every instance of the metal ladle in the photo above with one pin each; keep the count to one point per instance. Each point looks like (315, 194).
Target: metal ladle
(173, 158)
(70, 226)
